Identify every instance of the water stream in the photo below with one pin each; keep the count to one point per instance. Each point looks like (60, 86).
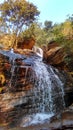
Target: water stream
(48, 89)
(49, 94)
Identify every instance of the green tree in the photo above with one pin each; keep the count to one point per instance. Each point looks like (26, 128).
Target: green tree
(48, 25)
(35, 31)
(64, 36)
(17, 14)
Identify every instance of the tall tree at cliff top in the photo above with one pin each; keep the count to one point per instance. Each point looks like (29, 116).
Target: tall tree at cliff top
(17, 14)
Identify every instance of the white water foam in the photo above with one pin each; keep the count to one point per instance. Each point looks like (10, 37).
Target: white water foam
(34, 119)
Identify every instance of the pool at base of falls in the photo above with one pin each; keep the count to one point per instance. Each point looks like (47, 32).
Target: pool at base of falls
(34, 119)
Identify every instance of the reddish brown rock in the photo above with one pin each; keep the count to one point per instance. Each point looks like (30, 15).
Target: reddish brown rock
(26, 44)
(16, 100)
(16, 87)
(55, 55)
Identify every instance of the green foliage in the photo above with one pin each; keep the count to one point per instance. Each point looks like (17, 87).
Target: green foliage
(48, 25)
(63, 35)
(35, 31)
(69, 60)
(17, 13)
(29, 32)
(40, 35)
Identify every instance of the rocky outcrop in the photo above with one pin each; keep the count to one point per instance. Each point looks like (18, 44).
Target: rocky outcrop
(17, 79)
(68, 88)
(26, 43)
(16, 86)
(54, 55)
(64, 121)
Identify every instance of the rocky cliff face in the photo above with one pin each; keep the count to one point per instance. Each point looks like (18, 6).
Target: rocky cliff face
(17, 85)
(55, 55)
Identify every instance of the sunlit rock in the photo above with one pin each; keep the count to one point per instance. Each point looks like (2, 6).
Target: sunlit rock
(26, 43)
(55, 55)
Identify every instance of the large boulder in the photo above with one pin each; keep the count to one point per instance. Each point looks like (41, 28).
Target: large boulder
(54, 55)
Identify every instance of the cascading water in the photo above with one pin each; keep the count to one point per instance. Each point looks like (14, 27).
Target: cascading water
(46, 97)
(48, 91)
(42, 88)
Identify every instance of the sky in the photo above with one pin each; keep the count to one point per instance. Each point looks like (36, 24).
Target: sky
(53, 10)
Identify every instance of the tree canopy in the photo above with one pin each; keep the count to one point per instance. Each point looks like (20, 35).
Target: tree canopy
(48, 25)
(16, 14)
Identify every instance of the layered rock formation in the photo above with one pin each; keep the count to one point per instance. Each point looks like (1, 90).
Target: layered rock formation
(54, 55)
(16, 81)
(17, 85)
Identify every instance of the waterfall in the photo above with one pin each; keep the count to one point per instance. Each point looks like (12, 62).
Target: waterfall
(38, 51)
(48, 88)
(46, 97)
(48, 91)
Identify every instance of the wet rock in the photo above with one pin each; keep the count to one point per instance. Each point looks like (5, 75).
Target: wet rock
(18, 86)
(64, 121)
(67, 81)
(54, 55)
(16, 81)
